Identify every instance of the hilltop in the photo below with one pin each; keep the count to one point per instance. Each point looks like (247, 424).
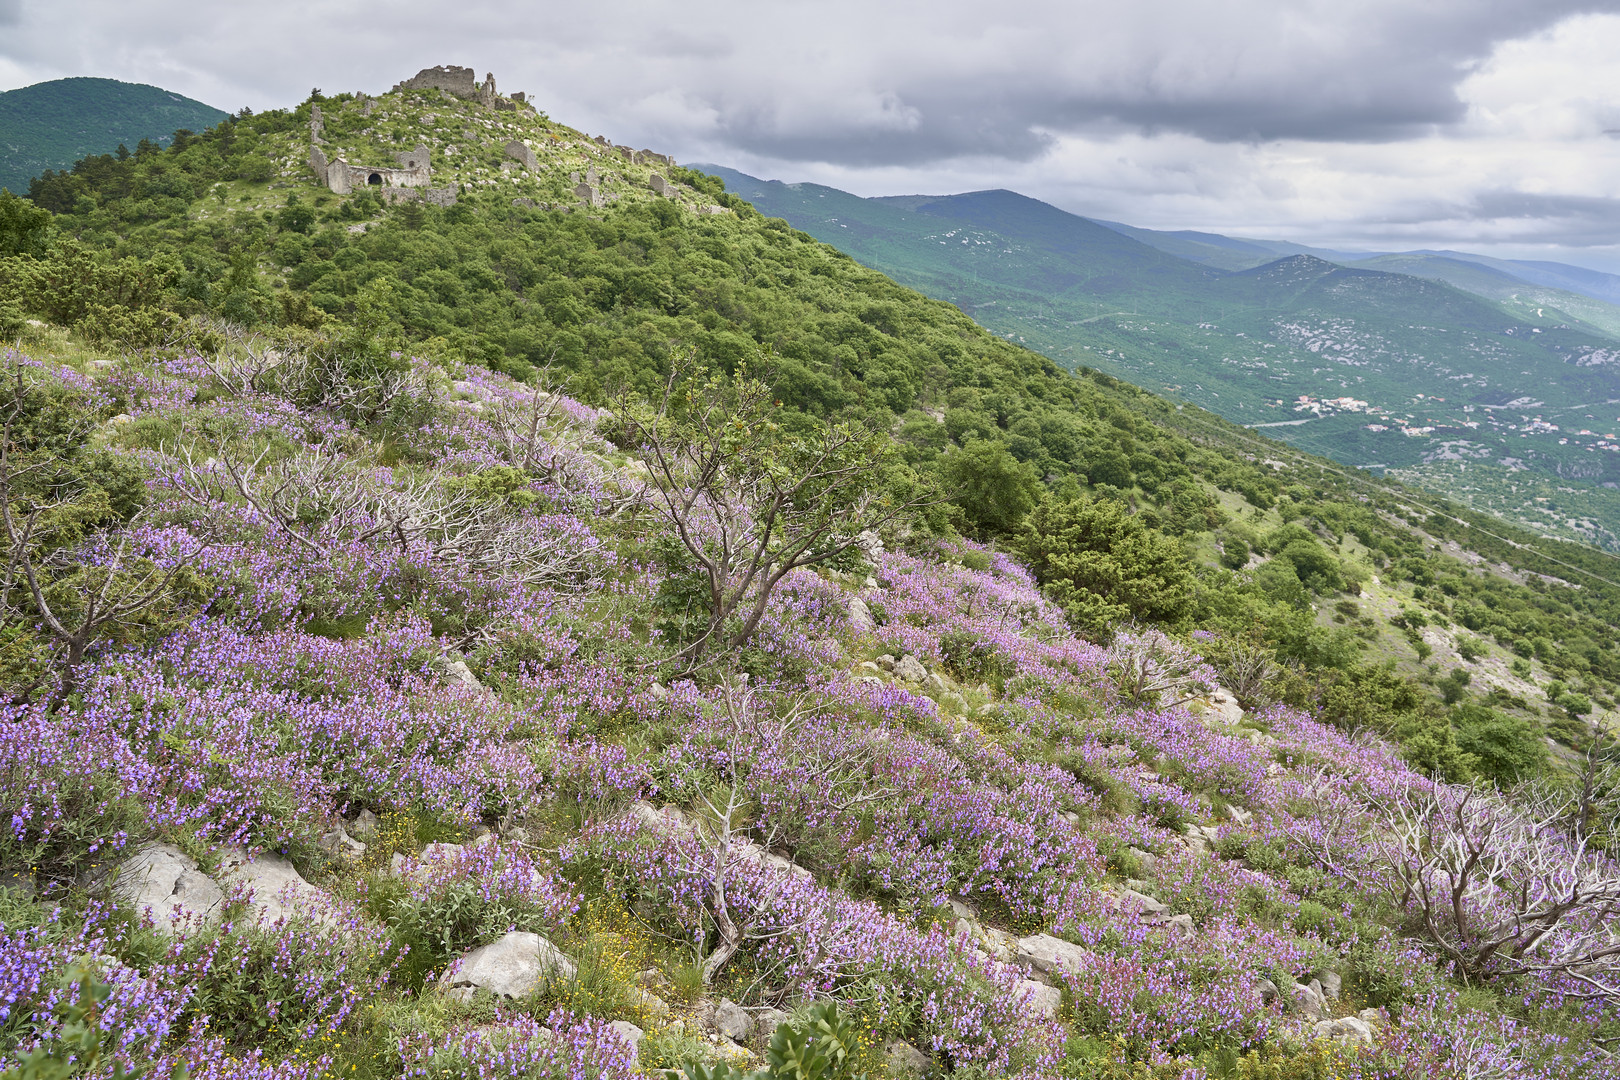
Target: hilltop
(487, 601)
(50, 125)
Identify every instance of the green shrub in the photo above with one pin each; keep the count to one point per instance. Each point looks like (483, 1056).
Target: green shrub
(822, 1047)
(972, 659)
(1103, 565)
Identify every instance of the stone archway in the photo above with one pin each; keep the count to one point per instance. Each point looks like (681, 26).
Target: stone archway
(375, 178)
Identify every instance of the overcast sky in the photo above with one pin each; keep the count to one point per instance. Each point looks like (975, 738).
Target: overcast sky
(1485, 125)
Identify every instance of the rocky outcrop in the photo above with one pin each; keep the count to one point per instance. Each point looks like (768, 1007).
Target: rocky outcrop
(1345, 1029)
(1043, 1001)
(165, 882)
(860, 616)
(1050, 955)
(515, 966)
(732, 1021)
(909, 669)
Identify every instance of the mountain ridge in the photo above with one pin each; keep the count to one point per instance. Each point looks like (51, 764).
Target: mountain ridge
(50, 125)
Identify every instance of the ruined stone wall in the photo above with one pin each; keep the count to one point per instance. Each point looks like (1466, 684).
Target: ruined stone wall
(343, 178)
(439, 196)
(447, 77)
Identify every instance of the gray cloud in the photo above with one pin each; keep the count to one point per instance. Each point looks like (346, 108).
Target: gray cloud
(1159, 112)
(1566, 220)
(843, 81)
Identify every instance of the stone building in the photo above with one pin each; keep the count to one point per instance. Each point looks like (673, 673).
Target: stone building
(412, 169)
(458, 81)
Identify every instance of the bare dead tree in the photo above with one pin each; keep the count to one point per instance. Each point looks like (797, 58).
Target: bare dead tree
(247, 363)
(1148, 667)
(318, 501)
(718, 847)
(749, 501)
(1499, 888)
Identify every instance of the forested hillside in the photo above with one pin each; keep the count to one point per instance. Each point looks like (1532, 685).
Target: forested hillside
(602, 629)
(51, 125)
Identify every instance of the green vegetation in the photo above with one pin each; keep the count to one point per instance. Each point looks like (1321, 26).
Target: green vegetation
(1374, 369)
(51, 125)
(1126, 503)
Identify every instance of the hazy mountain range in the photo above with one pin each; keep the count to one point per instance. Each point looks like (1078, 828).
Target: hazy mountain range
(1490, 380)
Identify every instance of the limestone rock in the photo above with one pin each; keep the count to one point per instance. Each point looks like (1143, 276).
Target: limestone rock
(654, 1006)
(520, 152)
(1331, 984)
(1148, 861)
(457, 671)
(1347, 1029)
(1144, 905)
(515, 966)
(1307, 998)
(732, 1021)
(162, 879)
(936, 683)
(1049, 954)
(905, 1059)
(860, 616)
(870, 543)
(1223, 706)
(630, 1034)
(1003, 946)
(1268, 990)
(279, 890)
(909, 669)
(1181, 924)
(1371, 1016)
(338, 842)
(365, 825)
(1043, 1001)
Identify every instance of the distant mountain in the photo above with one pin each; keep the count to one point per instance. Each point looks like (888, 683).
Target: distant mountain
(1420, 362)
(1481, 274)
(51, 125)
(1226, 252)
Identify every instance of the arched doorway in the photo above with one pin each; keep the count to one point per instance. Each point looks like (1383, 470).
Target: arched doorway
(375, 178)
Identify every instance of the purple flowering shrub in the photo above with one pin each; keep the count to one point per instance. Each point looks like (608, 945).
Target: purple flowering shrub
(821, 828)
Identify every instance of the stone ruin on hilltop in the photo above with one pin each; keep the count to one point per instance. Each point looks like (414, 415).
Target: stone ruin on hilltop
(409, 178)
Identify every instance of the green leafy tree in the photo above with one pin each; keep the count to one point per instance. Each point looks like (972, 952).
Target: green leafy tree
(994, 489)
(1102, 564)
(749, 497)
(24, 228)
(1506, 749)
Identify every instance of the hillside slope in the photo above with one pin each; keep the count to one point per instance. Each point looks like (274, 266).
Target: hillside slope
(50, 125)
(450, 657)
(1376, 370)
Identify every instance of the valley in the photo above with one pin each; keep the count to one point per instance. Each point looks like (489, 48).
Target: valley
(1374, 369)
